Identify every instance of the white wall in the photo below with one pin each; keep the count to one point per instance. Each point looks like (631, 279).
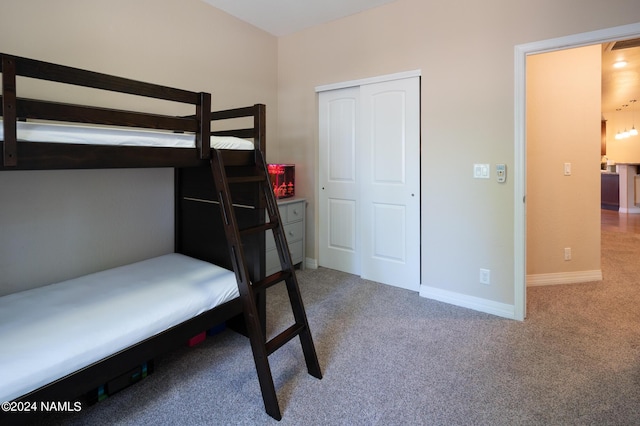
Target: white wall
(60, 224)
(465, 50)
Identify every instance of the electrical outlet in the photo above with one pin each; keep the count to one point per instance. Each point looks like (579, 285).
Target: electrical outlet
(567, 253)
(485, 276)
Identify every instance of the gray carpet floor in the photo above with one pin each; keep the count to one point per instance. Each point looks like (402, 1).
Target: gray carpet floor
(390, 357)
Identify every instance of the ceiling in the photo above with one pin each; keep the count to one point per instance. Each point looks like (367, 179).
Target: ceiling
(282, 17)
(620, 85)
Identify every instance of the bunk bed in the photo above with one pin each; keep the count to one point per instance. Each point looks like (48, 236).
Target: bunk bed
(32, 138)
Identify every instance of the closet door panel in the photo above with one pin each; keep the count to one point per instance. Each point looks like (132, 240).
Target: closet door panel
(390, 182)
(338, 178)
(388, 144)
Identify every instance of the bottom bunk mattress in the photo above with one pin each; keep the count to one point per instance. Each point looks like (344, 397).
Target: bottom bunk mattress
(51, 331)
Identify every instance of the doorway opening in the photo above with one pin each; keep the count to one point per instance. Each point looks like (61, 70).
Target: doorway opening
(520, 157)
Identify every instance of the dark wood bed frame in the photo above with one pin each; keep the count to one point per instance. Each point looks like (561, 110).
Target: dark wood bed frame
(198, 229)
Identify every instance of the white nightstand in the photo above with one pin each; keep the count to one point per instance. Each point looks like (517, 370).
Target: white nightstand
(292, 213)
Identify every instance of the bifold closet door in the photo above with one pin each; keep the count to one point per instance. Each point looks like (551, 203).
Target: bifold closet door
(369, 217)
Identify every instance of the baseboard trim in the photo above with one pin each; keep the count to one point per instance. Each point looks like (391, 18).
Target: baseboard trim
(471, 302)
(310, 263)
(564, 278)
(633, 209)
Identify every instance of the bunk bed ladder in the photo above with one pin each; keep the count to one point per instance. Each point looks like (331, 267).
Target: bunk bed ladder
(249, 291)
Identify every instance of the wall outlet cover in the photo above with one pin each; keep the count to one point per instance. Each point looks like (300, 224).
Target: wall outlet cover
(485, 276)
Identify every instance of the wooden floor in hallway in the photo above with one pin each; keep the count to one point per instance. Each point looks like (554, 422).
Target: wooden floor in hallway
(620, 222)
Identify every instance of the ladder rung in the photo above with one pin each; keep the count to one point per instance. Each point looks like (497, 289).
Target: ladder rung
(246, 179)
(271, 280)
(282, 338)
(259, 228)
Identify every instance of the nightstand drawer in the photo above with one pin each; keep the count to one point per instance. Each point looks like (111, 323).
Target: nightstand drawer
(296, 252)
(273, 263)
(295, 212)
(283, 214)
(292, 232)
(292, 213)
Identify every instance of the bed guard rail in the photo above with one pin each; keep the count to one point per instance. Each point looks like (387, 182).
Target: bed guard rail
(257, 132)
(13, 107)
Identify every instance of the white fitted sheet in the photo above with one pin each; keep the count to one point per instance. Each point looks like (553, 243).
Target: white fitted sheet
(49, 332)
(74, 134)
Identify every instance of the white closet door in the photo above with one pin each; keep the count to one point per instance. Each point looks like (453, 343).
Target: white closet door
(369, 162)
(389, 164)
(338, 203)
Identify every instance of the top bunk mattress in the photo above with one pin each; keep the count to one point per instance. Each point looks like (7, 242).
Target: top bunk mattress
(90, 135)
(51, 331)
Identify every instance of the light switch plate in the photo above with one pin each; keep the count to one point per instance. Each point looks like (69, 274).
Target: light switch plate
(481, 171)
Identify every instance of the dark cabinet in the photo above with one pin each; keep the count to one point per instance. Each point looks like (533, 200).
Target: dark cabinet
(610, 191)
